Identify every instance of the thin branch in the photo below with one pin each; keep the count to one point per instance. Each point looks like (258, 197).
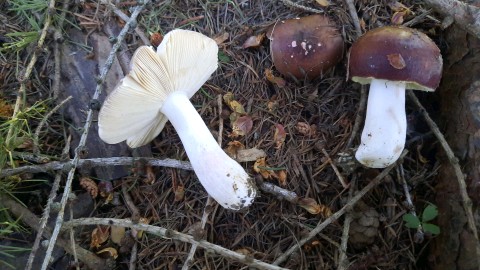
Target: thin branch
(43, 122)
(86, 128)
(25, 216)
(175, 235)
(467, 203)
(301, 7)
(96, 162)
(465, 15)
(419, 236)
(343, 258)
(335, 169)
(46, 211)
(377, 180)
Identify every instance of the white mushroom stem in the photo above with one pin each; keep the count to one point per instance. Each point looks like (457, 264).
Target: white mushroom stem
(222, 177)
(383, 136)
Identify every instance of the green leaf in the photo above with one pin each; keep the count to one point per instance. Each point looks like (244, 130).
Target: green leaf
(411, 221)
(430, 212)
(431, 228)
(223, 58)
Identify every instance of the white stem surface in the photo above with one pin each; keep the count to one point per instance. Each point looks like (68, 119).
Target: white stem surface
(222, 177)
(383, 136)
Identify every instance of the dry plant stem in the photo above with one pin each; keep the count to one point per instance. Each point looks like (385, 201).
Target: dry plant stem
(28, 218)
(129, 202)
(175, 235)
(467, 203)
(281, 193)
(29, 69)
(353, 14)
(337, 214)
(465, 15)
(408, 198)
(96, 162)
(133, 257)
(72, 242)
(193, 248)
(46, 211)
(42, 123)
(304, 8)
(86, 128)
(335, 169)
(343, 258)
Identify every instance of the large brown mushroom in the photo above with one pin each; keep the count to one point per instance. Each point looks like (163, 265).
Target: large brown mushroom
(305, 47)
(391, 59)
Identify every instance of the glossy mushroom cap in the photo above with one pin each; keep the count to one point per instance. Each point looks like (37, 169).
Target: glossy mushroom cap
(305, 47)
(396, 53)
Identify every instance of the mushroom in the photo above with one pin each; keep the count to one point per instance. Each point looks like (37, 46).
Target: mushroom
(158, 89)
(305, 47)
(391, 59)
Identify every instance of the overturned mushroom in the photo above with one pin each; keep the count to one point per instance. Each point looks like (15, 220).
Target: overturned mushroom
(305, 47)
(391, 59)
(158, 89)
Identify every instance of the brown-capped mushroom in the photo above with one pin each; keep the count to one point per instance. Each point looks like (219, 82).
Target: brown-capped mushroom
(305, 47)
(391, 59)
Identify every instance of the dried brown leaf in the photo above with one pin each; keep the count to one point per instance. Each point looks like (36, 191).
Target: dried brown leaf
(260, 166)
(398, 17)
(252, 154)
(179, 193)
(150, 175)
(396, 61)
(310, 205)
(6, 110)
(241, 126)
(279, 81)
(112, 252)
(233, 148)
(221, 38)
(156, 38)
(306, 129)
(90, 186)
(236, 107)
(279, 136)
(99, 236)
(282, 178)
(253, 41)
(323, 3)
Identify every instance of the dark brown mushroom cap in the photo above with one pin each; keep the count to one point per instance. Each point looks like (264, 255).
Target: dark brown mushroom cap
(305, 47)
(396, 53)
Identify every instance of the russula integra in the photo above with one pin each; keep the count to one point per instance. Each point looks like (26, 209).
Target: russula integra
(391, 59)
(158, 89)
(305, 47)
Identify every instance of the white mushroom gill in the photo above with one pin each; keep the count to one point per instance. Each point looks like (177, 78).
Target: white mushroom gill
(158, 89)
(383, 136)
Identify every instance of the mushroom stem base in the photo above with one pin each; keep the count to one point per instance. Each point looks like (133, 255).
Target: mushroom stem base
(222, 177)
(383, 136)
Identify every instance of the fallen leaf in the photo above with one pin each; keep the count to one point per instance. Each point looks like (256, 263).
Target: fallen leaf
(396, 61)
(306, 129)
(221, 38)
(397, 17)
(111, 252)
(6, 110)
(279, 136)
(260, 166)
(398, 7)
(252, 154)
(323, 3)
(272, 105)
(105, 188)
(233, 148)
(243, 251)
(242, 126)
(228, 97)
(279, 81)
(90, 186)
(150, 177)
(139, 233)
(179, 193)
(116, 234)
(99, 236)
(236, 107)
(282, 178)
(155, 39)
(253, 41)
(310, 205)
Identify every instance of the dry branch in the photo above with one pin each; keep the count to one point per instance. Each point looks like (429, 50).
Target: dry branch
(28, 218)
(172, 234)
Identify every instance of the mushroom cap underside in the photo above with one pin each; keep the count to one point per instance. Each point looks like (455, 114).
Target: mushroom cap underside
(396, 53)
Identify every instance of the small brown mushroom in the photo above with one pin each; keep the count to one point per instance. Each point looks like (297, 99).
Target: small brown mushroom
(305, 47)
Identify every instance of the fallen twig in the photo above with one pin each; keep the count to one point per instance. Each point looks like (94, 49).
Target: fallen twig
(28, 218)
(465, 15)
(301, 7)
(419, 236)
(172, 234)
(337, 214)
(343, 263)
(96, 162)
(466, 202)
(86, 128)
(335, 169)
